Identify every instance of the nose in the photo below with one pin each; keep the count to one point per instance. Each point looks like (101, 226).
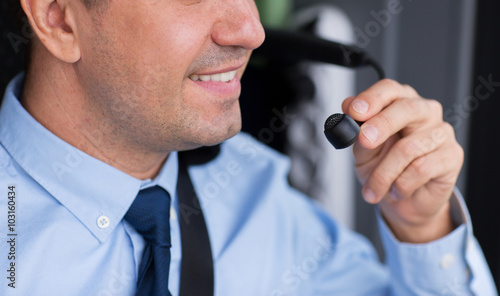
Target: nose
(239, 25)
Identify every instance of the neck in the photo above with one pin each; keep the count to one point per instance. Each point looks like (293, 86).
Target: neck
(54, 96)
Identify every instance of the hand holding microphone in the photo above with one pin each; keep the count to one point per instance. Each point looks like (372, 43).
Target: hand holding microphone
(407, 159)
(406, 156)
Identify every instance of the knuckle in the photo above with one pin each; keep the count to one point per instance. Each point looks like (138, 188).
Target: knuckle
(436, 107)
(421, 167)
(443, 133)
(386, 121)
(412, 105)
(410, 90)
(380, 179)
(453, 158)
(459, 150)
(407, 148)
(390, 83)
(448, 128)
(427, 145)
(403, 186)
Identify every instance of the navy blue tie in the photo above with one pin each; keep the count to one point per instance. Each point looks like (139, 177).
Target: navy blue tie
(150, 216)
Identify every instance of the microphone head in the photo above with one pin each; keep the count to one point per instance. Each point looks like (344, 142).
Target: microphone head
(341, 130)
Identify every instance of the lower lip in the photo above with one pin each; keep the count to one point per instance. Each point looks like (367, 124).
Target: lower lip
(221, 88)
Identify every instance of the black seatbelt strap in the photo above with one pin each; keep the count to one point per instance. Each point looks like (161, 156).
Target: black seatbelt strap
(197, 267)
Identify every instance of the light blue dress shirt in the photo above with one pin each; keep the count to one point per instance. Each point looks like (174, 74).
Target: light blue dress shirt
(267, 239)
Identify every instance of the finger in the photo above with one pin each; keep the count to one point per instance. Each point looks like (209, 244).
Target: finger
(442, 167)
(346, 103)
(401, 156)
(396, 121)
(365, 157)
(377, 97)
(410, 114)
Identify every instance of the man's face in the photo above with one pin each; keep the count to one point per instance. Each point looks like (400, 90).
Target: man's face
(153, 69)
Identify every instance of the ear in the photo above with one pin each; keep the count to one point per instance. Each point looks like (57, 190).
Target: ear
(53, 21)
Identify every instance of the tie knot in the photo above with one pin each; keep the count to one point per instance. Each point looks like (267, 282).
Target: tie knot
(150, 216)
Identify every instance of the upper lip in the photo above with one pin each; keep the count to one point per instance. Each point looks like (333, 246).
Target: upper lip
(217, 71)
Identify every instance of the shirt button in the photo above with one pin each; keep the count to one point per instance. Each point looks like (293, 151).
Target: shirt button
(173, 214)
(103, 222)
(447, 261)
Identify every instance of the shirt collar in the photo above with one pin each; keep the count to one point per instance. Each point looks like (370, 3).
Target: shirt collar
(86, 186)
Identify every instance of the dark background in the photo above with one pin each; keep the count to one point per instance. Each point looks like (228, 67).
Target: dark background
(480, 176)
(484, 139)
(12, 46)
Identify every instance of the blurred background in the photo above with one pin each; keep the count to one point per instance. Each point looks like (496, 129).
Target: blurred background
(447, 50)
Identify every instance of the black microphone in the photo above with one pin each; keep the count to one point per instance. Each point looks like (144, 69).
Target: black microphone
(340, 129)
(291, 46)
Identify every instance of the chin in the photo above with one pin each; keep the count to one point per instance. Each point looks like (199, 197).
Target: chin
(212, 135)
(217, 138)
(222, 127)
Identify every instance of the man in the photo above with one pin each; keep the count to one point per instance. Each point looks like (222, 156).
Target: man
(115, 88)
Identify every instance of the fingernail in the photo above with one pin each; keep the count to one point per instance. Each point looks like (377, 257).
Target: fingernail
(369, 195)
(360, 106)
(370, 132)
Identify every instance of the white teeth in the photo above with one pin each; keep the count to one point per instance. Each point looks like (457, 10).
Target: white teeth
(205, 77)
(215, 77)
(224, 77)
(228, 76)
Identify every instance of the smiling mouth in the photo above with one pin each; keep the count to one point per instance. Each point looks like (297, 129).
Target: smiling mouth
(220, 77)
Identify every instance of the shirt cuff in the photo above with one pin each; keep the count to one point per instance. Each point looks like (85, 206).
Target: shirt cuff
(436, 268)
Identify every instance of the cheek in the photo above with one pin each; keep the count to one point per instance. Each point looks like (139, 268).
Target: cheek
(173, 45)
(167, 61)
